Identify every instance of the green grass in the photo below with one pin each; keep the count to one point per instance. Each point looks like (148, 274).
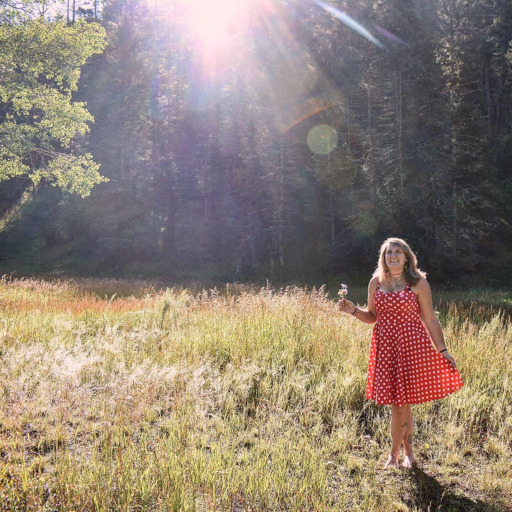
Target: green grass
(115, 395)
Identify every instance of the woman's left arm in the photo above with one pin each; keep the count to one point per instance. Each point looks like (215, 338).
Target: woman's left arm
(422, 290)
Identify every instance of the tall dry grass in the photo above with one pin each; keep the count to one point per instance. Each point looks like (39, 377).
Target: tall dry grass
(117, 396)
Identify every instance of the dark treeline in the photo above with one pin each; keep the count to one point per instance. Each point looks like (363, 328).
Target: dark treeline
(297, 147)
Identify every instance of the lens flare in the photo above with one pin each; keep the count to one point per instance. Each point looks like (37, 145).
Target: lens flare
(210, 20)
(391, 36)
(322, 139)
(350, 22)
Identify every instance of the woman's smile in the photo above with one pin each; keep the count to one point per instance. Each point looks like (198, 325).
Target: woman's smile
(395, 257)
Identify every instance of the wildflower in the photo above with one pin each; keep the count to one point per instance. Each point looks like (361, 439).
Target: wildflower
(343, 291)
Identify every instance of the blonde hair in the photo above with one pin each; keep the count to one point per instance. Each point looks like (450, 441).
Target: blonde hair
(412, 273)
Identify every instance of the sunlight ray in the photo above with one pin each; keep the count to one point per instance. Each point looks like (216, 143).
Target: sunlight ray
(347, 20)
(391, 36)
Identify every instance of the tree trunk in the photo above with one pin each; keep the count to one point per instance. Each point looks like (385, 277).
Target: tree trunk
(280, 206)
(370, 165)
(491, 113)
(455, 220)
(399, 124)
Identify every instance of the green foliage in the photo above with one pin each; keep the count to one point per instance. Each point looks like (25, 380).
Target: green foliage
(40, 65)
(73, 174)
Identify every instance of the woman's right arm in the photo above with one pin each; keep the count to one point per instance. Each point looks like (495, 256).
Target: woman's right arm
(368, 315)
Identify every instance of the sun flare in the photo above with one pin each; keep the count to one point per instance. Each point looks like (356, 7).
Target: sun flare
(211, 21)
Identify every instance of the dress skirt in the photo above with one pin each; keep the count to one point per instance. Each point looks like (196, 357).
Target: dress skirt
(404, 366)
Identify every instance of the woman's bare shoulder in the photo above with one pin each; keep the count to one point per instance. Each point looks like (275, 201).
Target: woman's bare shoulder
(421, 286)
(373, 283)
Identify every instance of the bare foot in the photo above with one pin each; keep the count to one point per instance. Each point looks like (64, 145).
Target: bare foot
(392, 462)
(409, 462)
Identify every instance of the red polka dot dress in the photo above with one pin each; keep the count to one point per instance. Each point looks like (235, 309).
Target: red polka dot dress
(404, 367)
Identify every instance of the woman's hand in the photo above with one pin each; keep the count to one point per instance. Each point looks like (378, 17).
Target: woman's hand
(449, 357)
(346, 306)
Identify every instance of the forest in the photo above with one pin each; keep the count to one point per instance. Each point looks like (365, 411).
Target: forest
(257, 139)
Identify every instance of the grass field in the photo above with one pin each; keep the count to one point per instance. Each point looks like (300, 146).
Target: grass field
(115, 395)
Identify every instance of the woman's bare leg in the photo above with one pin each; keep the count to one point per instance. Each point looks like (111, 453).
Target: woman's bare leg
(407, 439)
(399, 426)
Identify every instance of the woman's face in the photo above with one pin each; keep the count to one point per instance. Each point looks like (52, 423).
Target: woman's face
(395, 259)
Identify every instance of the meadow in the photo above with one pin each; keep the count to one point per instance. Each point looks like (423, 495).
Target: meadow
(120, 395)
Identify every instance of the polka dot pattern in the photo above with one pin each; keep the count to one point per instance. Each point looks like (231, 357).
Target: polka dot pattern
(404, 367)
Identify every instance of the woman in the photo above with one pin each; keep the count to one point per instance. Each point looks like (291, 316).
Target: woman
(404, 367)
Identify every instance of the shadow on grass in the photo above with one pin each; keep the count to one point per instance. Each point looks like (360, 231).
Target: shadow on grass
(431, 496)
